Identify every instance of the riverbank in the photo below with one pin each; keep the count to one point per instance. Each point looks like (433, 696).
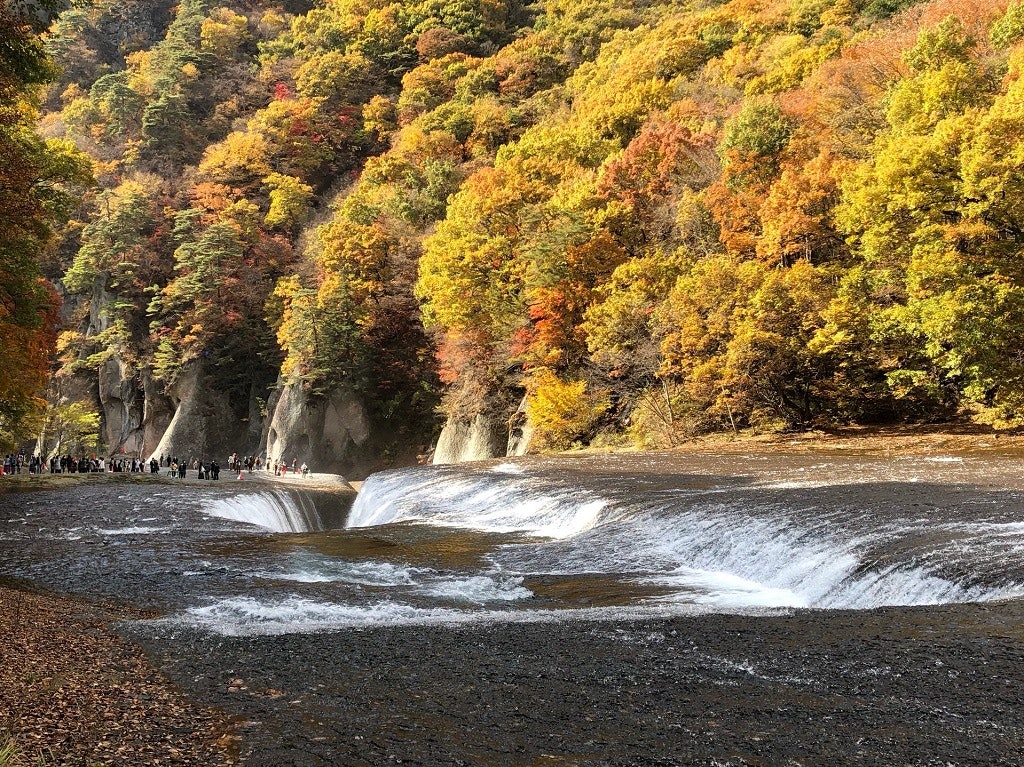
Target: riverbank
(313, 481)
(853, 440)
(919, 685)
(74, 692)
(865, 440)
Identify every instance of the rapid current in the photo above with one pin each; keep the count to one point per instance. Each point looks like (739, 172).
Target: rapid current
(784, 608)
(598, 537)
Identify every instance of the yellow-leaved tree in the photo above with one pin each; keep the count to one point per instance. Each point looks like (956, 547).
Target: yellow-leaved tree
(562, 412)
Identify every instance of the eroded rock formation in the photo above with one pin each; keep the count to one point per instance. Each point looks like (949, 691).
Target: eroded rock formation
(330, 433)
(485, 436)
(204, 425)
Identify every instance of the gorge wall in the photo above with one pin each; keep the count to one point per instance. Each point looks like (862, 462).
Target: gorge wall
(487, 435)
(331, 433)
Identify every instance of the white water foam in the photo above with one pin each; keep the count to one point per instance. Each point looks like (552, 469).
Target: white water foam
(499, 506)
(133, 531)
(344, 571)
(243, 616)
(743, 553)
(478, 589)
(472, 589)
(248, 616)
(274, 510)
(722, 589)
(716, 556)
(508, 468)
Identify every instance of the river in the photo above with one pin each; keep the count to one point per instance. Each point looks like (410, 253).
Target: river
(631, 609)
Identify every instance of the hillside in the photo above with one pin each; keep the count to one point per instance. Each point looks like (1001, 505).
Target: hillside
(571, 222)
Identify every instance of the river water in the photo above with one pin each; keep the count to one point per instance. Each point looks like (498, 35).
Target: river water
(782, 608)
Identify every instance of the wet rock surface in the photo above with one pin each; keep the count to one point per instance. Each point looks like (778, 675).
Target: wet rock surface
(925, 685)
(910, 686)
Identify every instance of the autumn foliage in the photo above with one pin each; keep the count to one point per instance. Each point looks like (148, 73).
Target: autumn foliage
(687, 215)
(37, 178)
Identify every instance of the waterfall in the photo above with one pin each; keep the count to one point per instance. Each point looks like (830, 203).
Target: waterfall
(726, 546)
(276, 510)
(499, 502)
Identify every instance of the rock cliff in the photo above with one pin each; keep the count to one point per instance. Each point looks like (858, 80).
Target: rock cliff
(204, 425)
(330, 434)
(485, 436)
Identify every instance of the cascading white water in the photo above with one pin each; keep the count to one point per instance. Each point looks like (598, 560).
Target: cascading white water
(745, 551)
(559, 539)
(502, 502)
(276, 510)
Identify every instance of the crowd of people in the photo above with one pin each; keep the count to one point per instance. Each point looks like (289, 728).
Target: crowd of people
(16, 463)
(235, 463)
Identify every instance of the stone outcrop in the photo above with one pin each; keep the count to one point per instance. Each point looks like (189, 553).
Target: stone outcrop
(330, 433)
(485, 436)
(131, 25)
(157, 413)
(121, 397)
(135, 411)
(203, 426)
(520, 432)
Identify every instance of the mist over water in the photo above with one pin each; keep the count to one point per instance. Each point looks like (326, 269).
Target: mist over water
(538, 540)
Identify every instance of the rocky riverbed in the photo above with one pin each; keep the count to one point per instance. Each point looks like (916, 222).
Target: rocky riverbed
(922, 686)
(628, 640)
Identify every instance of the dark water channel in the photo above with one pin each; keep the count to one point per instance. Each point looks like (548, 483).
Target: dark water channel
(611, 610)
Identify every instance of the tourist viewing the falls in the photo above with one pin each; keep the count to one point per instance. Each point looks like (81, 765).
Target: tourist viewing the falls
(590, 382)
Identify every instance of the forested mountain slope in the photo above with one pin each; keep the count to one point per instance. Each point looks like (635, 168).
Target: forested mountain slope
(579, 219)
